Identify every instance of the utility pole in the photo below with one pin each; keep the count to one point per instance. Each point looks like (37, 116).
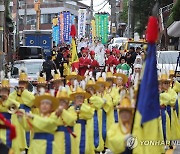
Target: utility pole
(130, 19)
(17, 24)
(2, 9)
(113, 18)
(25, 14)
(38, 13)
(91, 11)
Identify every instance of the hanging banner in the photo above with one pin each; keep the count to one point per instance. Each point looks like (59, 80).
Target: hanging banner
(105, 34)
(101, 22)
(81, 22)
(97, 24)
(61, 28)
(55, 34)
(93, 30)
(67, 26)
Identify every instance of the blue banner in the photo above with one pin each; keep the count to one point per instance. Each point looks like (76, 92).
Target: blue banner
(67, 26)
(55, 34)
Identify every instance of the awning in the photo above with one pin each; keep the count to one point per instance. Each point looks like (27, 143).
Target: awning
(174, 29)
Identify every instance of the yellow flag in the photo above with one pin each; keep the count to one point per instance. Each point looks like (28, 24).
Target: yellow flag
(74, 52)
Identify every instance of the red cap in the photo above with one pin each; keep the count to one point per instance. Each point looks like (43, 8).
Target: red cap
(118, 52)
(92, 53)
(84, 51)
(107, 51)
(114, 50)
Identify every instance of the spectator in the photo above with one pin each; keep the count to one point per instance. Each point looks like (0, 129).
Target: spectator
(48, 66)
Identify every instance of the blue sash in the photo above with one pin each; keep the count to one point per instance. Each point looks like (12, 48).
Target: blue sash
(115, 115)
(8, 117)
(104, 125)
(67, 138)
(49, 139)
(168, 109)
(177, 107)
(25, 107)
(96, 129)
(163, 116)
(83, 135)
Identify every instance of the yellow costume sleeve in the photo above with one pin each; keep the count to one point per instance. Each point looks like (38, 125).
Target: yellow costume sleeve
(176, 87)
(13, 95)
(27, 98)
(97, 101)
(24, 122)
(86, 112)
(68, 117)
(108, 105)
(115, 139)
(44, 124)
(165, 98)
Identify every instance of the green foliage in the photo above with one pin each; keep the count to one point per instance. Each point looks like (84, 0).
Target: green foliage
(176, 11)
(124, 14)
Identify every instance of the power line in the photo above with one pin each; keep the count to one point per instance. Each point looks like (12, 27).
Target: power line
(100, 3)
(102, 7)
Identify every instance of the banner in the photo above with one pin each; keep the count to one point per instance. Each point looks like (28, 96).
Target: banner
(81, 22)
(55, 34)
(67, 26)
(101, 21)
(61, 27)
(93, 30)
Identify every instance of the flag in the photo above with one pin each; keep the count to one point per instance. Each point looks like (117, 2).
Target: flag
(147, 127)
(74, 56)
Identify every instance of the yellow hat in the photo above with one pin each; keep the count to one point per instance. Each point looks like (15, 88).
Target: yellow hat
(38, 99)
(74, 75)
(102, 81)
(91, 83)
(5, 84)
(63, 95)
(80, 91)
(171, 72)
(125, 104)
(123, 76)
(164, 77)
(109, 75)
(23, 77)
(57, 77)
(41, 81)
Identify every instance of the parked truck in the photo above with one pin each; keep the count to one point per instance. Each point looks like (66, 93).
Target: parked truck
(41, 38)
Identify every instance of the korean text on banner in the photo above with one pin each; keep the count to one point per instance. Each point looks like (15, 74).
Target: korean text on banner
(81, 22)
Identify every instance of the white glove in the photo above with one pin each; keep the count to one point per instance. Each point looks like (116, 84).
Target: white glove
(112, 70)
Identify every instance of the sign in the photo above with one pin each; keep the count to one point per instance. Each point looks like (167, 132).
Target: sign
(55, 34)
(113, 29)
(67, 26)
(61, 27)
(81, 22)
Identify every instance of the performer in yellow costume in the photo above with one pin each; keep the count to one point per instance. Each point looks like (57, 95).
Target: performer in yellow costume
(41, 86)
(56, 82)
(84, 112)
(107, 116)
(25, 98)
(5, 104)
(65, 123)
(73, 80)
(43, 126)
(120, 132)
(95, 124)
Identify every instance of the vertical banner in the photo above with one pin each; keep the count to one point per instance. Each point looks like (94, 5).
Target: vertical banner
(67, 26)
(105, 36)
(93, 29)
(55, 34)
(97, 24)
(81, 22)
(101, 30)
(61, 28)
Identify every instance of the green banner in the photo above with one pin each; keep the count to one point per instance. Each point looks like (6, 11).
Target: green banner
(102, 27)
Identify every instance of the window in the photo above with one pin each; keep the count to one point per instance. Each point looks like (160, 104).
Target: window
(47, 18)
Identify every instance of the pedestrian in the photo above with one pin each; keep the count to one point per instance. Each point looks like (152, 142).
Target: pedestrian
(48, 66)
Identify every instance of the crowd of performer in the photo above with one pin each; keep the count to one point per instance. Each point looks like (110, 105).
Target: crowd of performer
(82, 109)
